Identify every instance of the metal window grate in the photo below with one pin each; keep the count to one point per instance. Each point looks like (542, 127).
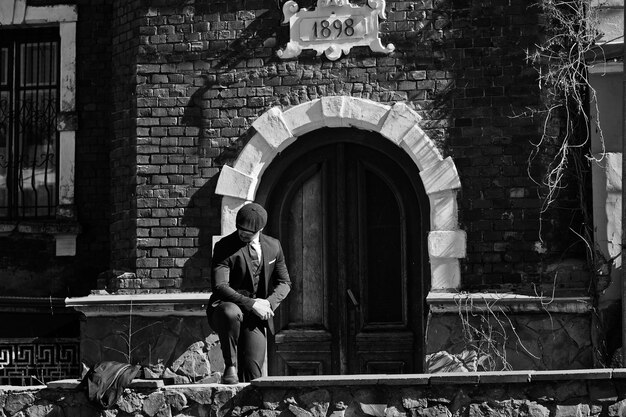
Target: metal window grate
(29, 97)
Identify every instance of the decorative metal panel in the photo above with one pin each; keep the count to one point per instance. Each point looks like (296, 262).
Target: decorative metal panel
(28, 362)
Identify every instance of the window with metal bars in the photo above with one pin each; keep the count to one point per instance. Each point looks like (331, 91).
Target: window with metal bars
(29, 141)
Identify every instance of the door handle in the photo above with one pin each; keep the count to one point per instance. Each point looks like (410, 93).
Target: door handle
(352, 298)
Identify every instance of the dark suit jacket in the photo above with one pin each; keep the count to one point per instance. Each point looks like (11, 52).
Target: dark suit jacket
(231, 276)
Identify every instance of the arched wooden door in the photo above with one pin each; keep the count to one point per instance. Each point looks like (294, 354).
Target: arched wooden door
(350, 214)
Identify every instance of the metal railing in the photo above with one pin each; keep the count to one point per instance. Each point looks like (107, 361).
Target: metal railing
(29, 96)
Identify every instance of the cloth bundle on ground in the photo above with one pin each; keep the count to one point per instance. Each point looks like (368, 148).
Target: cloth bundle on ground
(105, 381)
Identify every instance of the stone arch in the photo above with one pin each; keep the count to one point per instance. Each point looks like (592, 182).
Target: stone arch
(277, 129)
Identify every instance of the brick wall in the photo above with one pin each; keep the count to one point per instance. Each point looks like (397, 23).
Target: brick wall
(206, 71)
(123, 142)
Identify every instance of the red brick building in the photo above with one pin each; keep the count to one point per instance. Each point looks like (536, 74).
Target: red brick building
(398, 180)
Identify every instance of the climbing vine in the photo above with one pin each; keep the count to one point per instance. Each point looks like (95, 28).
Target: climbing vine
(562, 59)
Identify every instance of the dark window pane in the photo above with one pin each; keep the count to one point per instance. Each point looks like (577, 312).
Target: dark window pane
(4, 66)
(384, 253)
(38, 64)
(4, 152)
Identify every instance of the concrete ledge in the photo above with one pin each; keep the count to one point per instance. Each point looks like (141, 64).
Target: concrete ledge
(340, 380)
(452, 302)
(72, 384)
(444, 378)
(173, 304)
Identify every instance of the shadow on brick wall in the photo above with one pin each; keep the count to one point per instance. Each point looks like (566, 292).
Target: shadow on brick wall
(202, 213)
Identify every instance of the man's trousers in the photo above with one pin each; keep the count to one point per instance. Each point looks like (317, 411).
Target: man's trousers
(242, 338)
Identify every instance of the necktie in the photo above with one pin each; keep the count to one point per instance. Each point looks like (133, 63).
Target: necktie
(256, 265)
(253, 252)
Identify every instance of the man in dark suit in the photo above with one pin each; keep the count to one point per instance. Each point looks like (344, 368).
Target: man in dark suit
(250, 279)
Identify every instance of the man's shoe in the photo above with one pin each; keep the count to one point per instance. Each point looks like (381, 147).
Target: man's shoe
(230, 376)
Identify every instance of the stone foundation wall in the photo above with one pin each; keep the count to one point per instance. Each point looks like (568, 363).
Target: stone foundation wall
(508, 341)
(178, 349)
(537, 394)
(185, 349)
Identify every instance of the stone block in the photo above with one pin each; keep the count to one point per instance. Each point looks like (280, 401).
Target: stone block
(17, 401)
(365, 114)
(399, 121)
(175, 400)
(413, 398)
(447, 244)
(536, 410)
(130, 402)
(445, 273)
(437, 411)
(43, 410)
(255, 156)
(193, 363)
(305, 117)
(230, 207)
(374, 410)
(234, 183)
(272, 126)
(335, 111)
(317, 402)
(444, 211)
(574, 410)
(613, 171)
(154, 402)
(420, 148)
(442, 176)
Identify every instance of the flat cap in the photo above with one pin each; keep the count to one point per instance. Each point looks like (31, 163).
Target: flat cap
(251, 217)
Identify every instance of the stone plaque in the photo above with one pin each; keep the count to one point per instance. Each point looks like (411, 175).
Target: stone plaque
(334, 27)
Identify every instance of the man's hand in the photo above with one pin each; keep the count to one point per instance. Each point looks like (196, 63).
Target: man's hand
(262, 308)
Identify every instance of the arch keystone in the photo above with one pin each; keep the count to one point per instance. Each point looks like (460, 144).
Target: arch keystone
(334, 110)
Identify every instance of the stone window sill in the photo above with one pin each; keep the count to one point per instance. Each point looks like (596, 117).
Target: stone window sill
(453, 302)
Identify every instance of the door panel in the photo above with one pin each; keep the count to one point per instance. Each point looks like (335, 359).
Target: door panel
(304, 344)
(381, 339)
(352, 227)
(306, 245)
